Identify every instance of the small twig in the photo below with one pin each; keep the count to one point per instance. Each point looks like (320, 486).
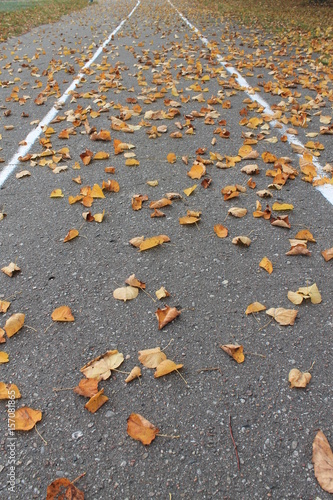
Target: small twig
(265, 325)
(120, 371)
(226, 217)
(181, 376)
(255, 354)
(233, 442)
(166, 436)
(150, 296)
(30, 328)
(311, 366)
(168, 345)
(78, 477)
(48, 327)
(208, 369)
(39, 434)
(58, 389)
(12, 296)
(255, 317)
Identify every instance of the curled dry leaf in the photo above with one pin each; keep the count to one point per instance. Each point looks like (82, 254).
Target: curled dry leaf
(26, 418)
(62, 313)
(281, 221)
(135, 373)
(72, 233)
(283, 316)
(242, 241)
(322, 458)
(23, 173)
(235, 351)
(237, 211)
(126, 293)
(307, 292)
(10, 269)
(141, 429)
(299, 250)
(9, 391)
(305, 235)
(250, 169)
(2, 336)
(4, 305)
(264, 193)
(220, 231)
(136, 242)
(101, 367)
(298, 378)
(166, 315)
(151, 358)
(165, 367)
(96, 401)
(160, 203)
(87, 387)
(189, 191)
(133, 281)
(14, 324)
(162, 293)
(327, 254)
(254, 308)
(266, 264)
(62, 488)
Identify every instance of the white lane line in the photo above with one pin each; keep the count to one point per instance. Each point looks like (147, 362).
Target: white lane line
(327, 189)
(34, 134)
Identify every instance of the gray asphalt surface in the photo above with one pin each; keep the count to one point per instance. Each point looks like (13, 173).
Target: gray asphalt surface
(211, 280)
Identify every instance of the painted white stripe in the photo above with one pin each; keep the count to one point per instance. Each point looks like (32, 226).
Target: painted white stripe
(34, 134)
(327, 189)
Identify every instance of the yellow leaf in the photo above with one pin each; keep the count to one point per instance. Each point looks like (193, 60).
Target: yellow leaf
(101, 155)
(305, 235)
(9, 391)
(235, 351)
(135, 373)
(152, 183)
(62, 313)
(126, 293)
(190, 190)
(99, 217)
(151, 358)
(14, 324)
(72, 233)
(283, 316)
(26, 418)
(171, 158)
(97, 192)
(298, 379)
(188, 220)
(254, 308)
(280, 207)
(266, 264)
(132, 162)
(3, 357)
(4, 305)
(56, 193)
(162, 293)
(165, 367)
(151, 243)
(101, 367)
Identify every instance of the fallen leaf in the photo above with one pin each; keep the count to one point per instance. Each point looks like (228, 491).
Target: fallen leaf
(62, 313)
(220, 231)
(141, 429)
(96, 401)
(197, 171)
(9, 391)
(152, 183)
(151, 358)
(162, 293)
(57, 193)
(10, 269)
(322, 458)
(280, 207)
(283, 316)
(63, 489)
(23, 173)
(99, 217)
(72, 233)
(166, 315)
(3, 357)
(254, 308)
(235, 351)
(126, 293)
(237, 211)
(153, 242)
(298, 379)
(25, 418)
(327, 254)
(14, 324)
(133, 281)
(135, 373)
(299, 250)
(97, 192)
(4, 305)
(242, 241)
(160, 203)
(165, 367)
(305, 235)
(250, 169)
(281, 221)
(188, 219)
(87, 387)
(266, 264)
(101, 367)
(190, 190)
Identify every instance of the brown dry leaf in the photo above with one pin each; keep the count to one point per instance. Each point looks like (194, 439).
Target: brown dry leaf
(173, 196)
(137, 201)
(23, 173)
(14, 324)
(96, 401)
(87, 387)
(237, 211)
(62, 313)
(141, 429)
(305, 235)
(126, 293)
(9, 391)
(166, 315)
(26, 418)
(136, 242)
(153, 242)
(86, 157)
(264, 193)
(162, 293)
(164, 202)
(298, 379)
(299, 250)
(100, 367)
(157, 213)
(3, 357)
(111, 186)
(133, 281)
(327, 254)
(281, 221)
(283, 316)
(254, 308)
(4, 305)
(266, 264)
(250, 169)
(322, 458)
(103, 135)
(2, 336)
(221, 231)
(135, 373)
(10, 269)
(165, 367)
(72, 233)
(63, 489)
(235, 351)
(151, 358)
(268, 157)
(243, 241)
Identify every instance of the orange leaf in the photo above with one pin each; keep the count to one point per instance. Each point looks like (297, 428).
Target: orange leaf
(165, 367)
(151, 358)
(4, 305)
(327, 254)
(141, 429)
(166, 315)
(9, 391)
(160, 203)
(322, 458)
(72, 233)
(197, 171)
(63, 489)
(188, 219)
(171, 158)
(235, 351)
(101, 155)
(3, 357)
(254, 308)
(266, 264)
(305, 235)
(14, 324)
(96, 401)
(26, 418)
(133, 281)
(135, 373)
(87, 387)
(220, 231)
(62, 313)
